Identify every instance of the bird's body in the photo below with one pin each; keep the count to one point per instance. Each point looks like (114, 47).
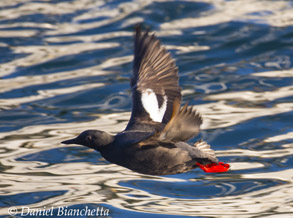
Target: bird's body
(154, 141)
(150, 156)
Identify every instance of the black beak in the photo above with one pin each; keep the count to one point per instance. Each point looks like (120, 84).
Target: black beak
(70, 141)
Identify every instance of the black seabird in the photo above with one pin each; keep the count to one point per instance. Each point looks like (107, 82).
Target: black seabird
(154, 141)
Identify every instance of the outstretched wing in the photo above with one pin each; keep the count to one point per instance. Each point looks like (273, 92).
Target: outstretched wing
(154, 82)
(183, 125)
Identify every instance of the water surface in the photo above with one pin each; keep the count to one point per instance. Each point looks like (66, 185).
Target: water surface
(65, 67)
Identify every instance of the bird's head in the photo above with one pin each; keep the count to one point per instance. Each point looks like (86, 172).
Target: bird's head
(92, 138)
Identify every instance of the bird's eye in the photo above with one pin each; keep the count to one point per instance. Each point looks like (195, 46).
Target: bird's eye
(88, 138)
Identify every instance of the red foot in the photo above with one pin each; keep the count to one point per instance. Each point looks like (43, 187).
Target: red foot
(214, 168)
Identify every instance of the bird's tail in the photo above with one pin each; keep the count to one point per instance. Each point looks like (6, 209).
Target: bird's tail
(215, 166)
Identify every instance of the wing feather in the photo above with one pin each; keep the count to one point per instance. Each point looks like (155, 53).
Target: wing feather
(183, 125)
(154, 81)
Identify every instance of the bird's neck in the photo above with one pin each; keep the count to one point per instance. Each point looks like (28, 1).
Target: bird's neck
(105, 142)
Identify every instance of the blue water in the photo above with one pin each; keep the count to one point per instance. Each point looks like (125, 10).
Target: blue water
(65, 67)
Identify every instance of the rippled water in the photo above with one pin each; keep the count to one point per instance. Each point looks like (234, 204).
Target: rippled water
(64, 68)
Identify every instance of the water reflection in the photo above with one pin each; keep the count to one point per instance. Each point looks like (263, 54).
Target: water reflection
(65, 67)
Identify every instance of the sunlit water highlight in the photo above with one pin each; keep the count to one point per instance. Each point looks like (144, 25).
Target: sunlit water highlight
(65, 67)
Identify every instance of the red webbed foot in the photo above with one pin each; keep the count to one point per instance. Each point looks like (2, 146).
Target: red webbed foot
(214, 168)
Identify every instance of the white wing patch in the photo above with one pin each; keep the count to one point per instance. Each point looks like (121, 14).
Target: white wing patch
(151, 105)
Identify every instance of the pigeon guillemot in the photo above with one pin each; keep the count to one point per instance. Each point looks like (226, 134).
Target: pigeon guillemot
(154, 141)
